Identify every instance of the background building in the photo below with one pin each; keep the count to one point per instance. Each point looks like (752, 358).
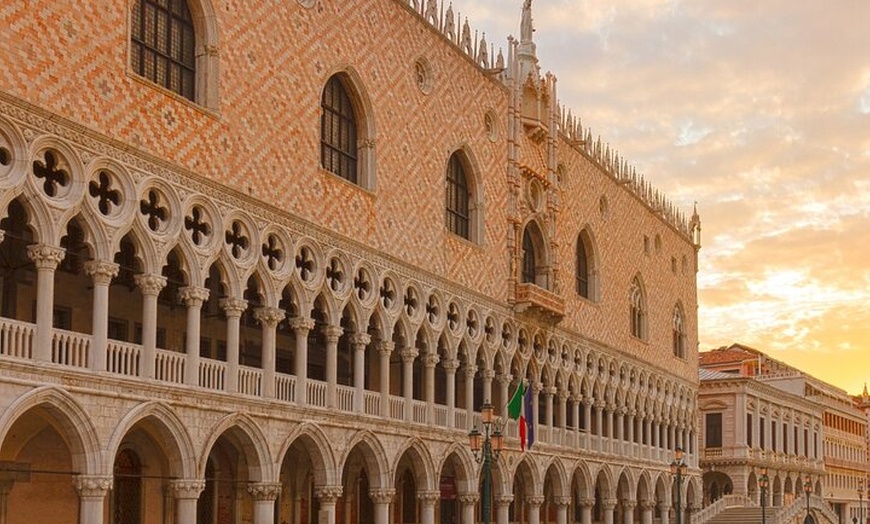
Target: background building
(264, 262)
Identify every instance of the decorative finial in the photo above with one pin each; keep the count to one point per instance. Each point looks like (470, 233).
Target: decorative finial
(526, 28)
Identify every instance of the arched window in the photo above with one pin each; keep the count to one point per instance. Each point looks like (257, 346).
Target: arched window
(638, 309)
(338, 131)
(163, 43)
(679, 333)
(582, 275)
(529, 272)
(458, 216)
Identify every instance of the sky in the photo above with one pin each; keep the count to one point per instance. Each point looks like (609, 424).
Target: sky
(759, 111)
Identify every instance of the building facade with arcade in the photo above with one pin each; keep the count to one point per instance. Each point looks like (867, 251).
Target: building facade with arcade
(263, 262)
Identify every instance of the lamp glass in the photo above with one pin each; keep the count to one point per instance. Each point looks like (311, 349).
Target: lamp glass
(678, 454)
(497, 441)
(486, 413)
(475, 440)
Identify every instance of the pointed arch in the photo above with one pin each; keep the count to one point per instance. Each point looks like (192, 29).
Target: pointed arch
(316, 443)
(374, 456)
(421, 463)
(638, 308)
(251, 441)
(347, 131)
(586, 274)
(535, 256)
(464, 196)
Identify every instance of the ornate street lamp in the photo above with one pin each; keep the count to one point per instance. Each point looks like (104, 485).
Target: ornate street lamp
(808, 488)
(486, 447)
(763, 484)
(861, 500)
(679, 469)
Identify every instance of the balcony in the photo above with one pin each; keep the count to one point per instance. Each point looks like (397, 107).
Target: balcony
(535, 300)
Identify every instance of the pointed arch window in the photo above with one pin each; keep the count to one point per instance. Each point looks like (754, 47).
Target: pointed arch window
(338, 131)
(529, 269)
(679, 333)
(638, 310)
(163, 44)
(582, 277)
(457, 196)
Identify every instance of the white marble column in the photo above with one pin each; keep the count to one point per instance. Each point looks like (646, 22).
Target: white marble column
(607, 506)
(664, 512)
(408, 355)
(470, 371)
(327, 496)
(548, 406)
(46, 259)
(102, 273)
(488, 375)
(646, 511)
(150, 286)
(586, 506)
(467, 503)
(92, 490)
(186, 493)
(385, 349)
(562, 504)
(450, 367)
(359, 342)
(301, 326)
(628, 511)
(502, 508)
(264, 495)
(268, 318)
(331, 334)
(428, 501)
(534, 503)
(430, 360)
(382, 498)
(193, 297)
(233, 309)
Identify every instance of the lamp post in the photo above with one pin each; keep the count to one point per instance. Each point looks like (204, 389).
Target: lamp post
(861, 500)
(679, 469)
(486, 447)
(808, 488)
(763, 483)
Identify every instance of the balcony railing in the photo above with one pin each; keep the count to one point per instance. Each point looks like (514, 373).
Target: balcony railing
(74, 350)
(540, 301)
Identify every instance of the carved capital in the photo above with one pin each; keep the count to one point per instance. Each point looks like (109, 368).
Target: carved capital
(429, 498)
(408, 354)
(45, 256)
(360, 340)
(562, 501)
(193, 296)
(301, 325)
(269, 316)
(431, 360)
(328, 494)
(386, 347)
(608, 504)
(489, 374)
(648, 505)
(187, 488)
(101, 271)
(150, 284)
(504, 499)
(332, 333)
(470, 370)
(586, 502)
(469, 498)
(629, 505)
(93, 486)
(233, 307)
(450, 365)
(382, 496)
(265, 491)
(505, 379)
(535, 500)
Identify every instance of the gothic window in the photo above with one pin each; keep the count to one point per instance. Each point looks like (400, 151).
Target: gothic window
(529, 270)
(163, 41)
(582, 276)
(679, 333)
(638, 309)
(338, 131)
(457, 198)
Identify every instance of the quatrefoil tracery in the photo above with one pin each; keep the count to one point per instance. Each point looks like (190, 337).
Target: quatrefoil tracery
(49, 170)
(102, 191)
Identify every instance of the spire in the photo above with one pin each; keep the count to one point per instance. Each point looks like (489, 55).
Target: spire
(526, 50)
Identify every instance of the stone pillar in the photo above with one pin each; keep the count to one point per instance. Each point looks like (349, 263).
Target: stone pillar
(488, 375)
(381, 498)
(327, 496)
(664, 512)
(385, 349)
(331, 334)
(430, 361)
(586, 506)
(45, 258)
(632, 420)
(301, 326)
(534, 509)
(268, 318)
(504, 381)
(101, 273)
(620, 424)
(186, 493)
(359, 342)
(628, 511)
(150, 286)
(599, 418)
(646, 511)
(562, 412)
(548, 406)
(502, 508)
(562, 509)
(193, 298)
(428, 501)
(470, 372)
(609, 415)
(533, 422)
(233, 309)
(92, 491)
(408, 355)
(450, 367)
(467, 502)
(264, 494)
(607, 506)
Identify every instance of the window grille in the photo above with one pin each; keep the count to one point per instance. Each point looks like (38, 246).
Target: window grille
(338, 131)
(163, 43)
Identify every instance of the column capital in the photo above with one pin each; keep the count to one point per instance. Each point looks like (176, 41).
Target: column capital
(93, 486)
(535, 500)
(382, 495)
(505, 379)
(550, 390)
(450, 365)
(562, 501)
(489, 374)
(663, 506)
(470, 370)
(360, 340)
(469, 498)
(301, 325)
(586, 502)
(431, 359)
(629, 504)
(187, 488)
(648, 505)
(608, 504)
(150, 284)
(328, 494)
(265, 491)
(45, 256)
(101, 271)
(269, 316)
(193, 296)
(386, 347)
(429, 497)
(332, 333)
(408, 354)
(233, 307)
(504, 499)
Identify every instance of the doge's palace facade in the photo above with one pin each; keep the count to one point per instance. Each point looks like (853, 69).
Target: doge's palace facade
(262, 262)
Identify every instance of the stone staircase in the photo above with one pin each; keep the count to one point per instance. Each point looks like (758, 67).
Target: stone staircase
(746, 515)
